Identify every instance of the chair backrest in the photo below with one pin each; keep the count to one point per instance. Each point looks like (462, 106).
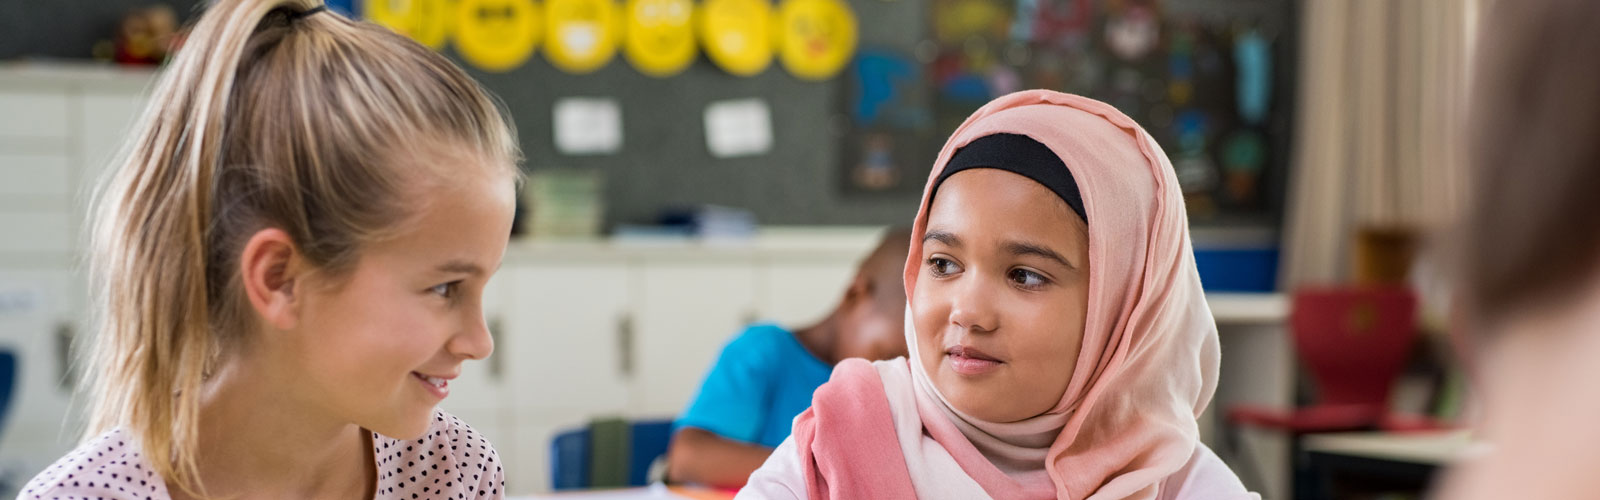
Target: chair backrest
(1354, 341)
(8, 383)
(576, 456)
(569, 460)
(650, 439)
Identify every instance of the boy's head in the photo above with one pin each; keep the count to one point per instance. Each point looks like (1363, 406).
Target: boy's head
(874, 307)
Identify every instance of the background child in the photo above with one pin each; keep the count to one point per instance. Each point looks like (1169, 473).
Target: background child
(765, 375)
(289, 268)
(1061, 346)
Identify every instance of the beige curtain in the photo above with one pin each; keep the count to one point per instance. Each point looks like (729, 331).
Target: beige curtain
(1382, 99)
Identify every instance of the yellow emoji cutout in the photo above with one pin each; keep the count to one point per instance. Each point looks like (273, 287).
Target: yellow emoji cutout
(737, 34)
(817, 37)
(497, 35)
(426, 21)
(659, 40)
(581, 35)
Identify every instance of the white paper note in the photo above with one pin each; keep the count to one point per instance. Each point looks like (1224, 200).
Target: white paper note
(588, 126)
(739, 127)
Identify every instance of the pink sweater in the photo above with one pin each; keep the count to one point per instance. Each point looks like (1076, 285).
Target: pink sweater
(450, 462)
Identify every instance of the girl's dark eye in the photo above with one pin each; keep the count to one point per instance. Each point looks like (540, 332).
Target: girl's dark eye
(942, 267)
(1027, 279)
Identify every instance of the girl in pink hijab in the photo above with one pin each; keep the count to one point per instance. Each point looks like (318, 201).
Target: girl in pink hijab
(1060, 344)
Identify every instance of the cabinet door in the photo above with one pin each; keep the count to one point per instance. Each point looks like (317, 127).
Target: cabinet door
(107, 120)
(37, 175)
(566, 337)
(687, 312)
(35, 327)
(34, 113)
(36, 194)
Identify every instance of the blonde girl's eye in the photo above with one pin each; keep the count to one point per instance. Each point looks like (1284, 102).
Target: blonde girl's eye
(445, 290)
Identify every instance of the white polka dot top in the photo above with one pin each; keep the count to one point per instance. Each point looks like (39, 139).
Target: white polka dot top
(449, 462)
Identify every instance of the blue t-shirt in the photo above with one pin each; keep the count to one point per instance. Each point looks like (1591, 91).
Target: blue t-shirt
(761, 381)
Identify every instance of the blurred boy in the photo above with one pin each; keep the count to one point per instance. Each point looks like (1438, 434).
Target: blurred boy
(765, 376)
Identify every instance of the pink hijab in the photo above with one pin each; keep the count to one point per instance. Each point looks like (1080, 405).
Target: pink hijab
(1147, 368)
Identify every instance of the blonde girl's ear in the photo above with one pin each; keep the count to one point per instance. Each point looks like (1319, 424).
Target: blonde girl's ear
(272, 272)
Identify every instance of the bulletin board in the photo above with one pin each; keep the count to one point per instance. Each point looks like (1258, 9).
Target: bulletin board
(1212, 80)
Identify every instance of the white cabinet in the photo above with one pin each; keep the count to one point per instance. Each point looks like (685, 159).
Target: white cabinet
(37, 110)
(58, 126)
(36, 326)
(107, 119)
(561, 352)
(688, 310)
(37, 232)
(45, 176)
(565, 343)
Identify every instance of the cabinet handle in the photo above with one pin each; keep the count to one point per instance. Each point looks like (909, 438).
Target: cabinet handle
(625, 345)
(496, 363)
(64, 335)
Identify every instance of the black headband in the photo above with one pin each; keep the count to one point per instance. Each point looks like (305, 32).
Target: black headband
(1021, 155)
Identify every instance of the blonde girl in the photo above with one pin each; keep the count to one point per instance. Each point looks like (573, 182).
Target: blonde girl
(289, 267)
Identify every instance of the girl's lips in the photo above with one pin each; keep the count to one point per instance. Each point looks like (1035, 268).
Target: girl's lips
(970, 352)
(438, 386)
(967, 360)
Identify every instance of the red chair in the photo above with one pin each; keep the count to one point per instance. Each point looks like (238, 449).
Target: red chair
(1354, 343)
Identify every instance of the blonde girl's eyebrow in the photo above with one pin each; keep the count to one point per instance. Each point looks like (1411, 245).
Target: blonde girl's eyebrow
(460, 267)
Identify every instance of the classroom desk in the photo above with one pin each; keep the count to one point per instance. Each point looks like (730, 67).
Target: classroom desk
(1363, 463)
(1427, 448)
(1248, 308)
(652, 492)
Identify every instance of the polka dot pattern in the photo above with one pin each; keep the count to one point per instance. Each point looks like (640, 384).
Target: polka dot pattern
(105, 467)
(451, 461)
